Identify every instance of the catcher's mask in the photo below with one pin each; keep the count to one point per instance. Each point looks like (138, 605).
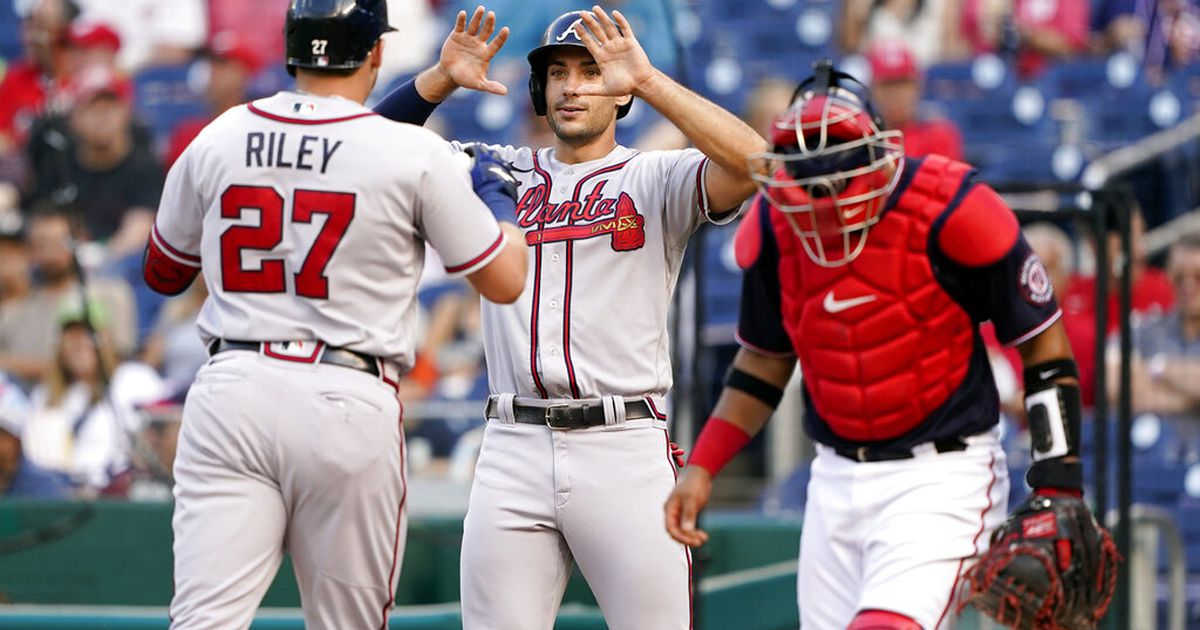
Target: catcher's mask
(831, 167)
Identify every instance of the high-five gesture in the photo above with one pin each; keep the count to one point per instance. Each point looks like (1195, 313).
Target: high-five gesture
(624, 66)
(467, 53)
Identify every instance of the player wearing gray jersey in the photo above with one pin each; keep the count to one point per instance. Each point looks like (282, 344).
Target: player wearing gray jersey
(575, 463)
(309, 229)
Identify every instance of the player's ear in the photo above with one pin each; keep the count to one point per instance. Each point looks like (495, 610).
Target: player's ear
(376, 58)
(624, 100)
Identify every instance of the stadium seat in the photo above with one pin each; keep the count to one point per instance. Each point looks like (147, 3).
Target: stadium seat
(721, 283)
(477, 117)
(10, 33)
(268, 81)
(788, 495)
(982, 78)
(166, 96)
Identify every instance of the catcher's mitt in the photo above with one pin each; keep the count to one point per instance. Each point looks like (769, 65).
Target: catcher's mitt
(1051, 566)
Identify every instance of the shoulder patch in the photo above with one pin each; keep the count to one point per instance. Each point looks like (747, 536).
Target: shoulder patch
(980, 230)
(747, 243)
(1035, 283)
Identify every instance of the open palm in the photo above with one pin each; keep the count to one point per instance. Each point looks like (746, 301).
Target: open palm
(624, 66)
(467, 53)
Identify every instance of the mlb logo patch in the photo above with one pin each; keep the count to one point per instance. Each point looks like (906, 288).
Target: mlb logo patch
(1041, 526)
(307, 109)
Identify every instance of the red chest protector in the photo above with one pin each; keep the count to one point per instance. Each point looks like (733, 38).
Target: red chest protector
(881, 344)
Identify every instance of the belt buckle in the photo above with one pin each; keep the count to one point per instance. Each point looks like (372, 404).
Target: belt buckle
(558, 413)
(860, 454)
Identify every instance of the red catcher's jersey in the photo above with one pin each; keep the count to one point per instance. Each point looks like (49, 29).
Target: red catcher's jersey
(881, 344)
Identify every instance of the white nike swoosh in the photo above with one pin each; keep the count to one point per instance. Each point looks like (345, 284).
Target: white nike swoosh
(836, 306)
(1047, 374)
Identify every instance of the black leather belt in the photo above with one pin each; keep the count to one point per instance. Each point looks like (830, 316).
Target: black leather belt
(340, 357)
(566, 416)
(867, 454)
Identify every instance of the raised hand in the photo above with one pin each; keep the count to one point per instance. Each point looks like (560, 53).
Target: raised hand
(624, 66)
(467, 53)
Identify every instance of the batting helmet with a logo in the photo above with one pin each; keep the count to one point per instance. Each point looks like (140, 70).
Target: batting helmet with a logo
(561, 32)
(333, 34)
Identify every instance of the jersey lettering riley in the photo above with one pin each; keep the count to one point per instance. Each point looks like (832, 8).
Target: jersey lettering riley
(307, 216)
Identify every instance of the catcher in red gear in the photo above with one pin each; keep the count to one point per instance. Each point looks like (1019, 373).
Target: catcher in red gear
(873, 272)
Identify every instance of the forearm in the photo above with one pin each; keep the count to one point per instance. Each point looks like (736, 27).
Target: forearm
(749, 398)
(718, 134)
(409, 103)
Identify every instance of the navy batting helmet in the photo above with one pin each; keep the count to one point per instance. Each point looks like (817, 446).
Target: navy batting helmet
(560, 33)
(333, 34)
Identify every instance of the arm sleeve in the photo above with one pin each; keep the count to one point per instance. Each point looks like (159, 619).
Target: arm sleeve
(172, 257)
(991, 270)
(687, 206)
(452, 218)
(760, 319)
(404, 104)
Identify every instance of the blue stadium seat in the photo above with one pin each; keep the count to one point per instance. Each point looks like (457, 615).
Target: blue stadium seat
(164, 97)
(10, 33)
(983, 78)
(476, 117)
(722, 281)
(788, 495)
(1119, 105)
(269, 80)
(1185, 82)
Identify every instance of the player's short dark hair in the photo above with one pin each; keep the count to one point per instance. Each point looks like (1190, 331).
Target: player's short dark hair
(340, 73)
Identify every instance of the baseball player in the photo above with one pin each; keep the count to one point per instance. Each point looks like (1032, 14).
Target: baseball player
(308, 226)
(576, 460)
(874, 272)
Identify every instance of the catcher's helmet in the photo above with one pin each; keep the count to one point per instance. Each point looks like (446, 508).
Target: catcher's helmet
(333, 34)
(831, 167)
(561, 32)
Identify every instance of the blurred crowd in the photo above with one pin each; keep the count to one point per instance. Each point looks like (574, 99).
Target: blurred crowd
(93, 373)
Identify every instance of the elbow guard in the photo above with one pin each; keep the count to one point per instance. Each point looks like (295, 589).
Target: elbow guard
(1055, 412)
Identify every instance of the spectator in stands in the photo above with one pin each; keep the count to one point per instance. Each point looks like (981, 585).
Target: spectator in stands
(770, 96)
(931, 26)
(1165, 34)
(101, 168)
(153, 32)
(173, 347)
(152, 459)
(16, 269)
(30, 85)
(258, 25)
(1173, 39)
(20, 478)
(92, 44)
(1152, 294)
(1121, 25)
(84, 411)
(28, 329)
(1035, 31)
(1166, 357)
(896, 84)
(231, 66)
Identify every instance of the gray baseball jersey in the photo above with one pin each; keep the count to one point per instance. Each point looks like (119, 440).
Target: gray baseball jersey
(607, 238)
(324, 240)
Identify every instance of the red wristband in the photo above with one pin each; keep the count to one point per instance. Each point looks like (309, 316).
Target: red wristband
(719, 441)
